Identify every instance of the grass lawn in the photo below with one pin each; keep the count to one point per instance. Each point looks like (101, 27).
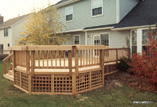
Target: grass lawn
(119, 97)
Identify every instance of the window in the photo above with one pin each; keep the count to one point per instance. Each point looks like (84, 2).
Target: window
(5, 32)
(8, 45)
(134, 38)
(76, 40)
(97, 7)
(69, 13)
(104, 39)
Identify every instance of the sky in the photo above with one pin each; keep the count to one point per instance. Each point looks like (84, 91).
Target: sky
(13, 8)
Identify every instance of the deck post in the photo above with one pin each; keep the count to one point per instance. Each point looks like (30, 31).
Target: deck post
(74, 84)
(14, 63)
(32, 62)
(70, 62)
(27, 61)
(102, 64)
(76, 59)
(129, 53)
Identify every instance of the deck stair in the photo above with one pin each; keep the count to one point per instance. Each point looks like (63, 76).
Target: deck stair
(8, 64)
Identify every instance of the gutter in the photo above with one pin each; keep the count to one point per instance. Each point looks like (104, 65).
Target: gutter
(134, 27)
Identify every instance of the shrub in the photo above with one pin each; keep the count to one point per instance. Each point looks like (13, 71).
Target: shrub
(123, 65)
(2, 56)
(145, 65)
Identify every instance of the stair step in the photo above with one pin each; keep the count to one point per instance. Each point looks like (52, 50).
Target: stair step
(9, 77)
(10, 72)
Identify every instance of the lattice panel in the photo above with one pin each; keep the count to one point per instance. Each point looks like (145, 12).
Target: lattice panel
(96, 79)
(17, 78)
(110, 68)
(41, 83)
(82, 82)
(62, 84)
(24, 81)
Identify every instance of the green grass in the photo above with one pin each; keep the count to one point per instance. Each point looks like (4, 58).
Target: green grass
(119, 97)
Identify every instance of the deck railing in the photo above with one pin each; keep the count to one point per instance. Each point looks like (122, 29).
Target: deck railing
(65, 57)
(8, 63)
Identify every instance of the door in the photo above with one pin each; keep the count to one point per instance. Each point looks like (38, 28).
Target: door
(96, 40)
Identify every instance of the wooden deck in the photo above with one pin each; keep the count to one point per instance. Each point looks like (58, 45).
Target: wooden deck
(61, 69)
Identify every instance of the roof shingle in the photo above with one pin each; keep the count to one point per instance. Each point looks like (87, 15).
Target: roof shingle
(10, 22)
(144, 13)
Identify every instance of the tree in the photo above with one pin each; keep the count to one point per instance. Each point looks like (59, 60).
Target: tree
(145, 65)
(44, 28)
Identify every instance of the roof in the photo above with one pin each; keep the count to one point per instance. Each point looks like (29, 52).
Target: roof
(144, 13)
(10, 22)
(101, 26)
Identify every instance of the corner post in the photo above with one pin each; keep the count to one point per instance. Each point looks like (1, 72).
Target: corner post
(32, 62)
(76, 59)
(70, 62)
(102, 64)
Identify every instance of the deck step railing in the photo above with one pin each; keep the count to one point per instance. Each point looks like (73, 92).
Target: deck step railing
(8, 63)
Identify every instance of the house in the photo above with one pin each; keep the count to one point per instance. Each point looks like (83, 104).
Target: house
(10, 32)
(107, 22)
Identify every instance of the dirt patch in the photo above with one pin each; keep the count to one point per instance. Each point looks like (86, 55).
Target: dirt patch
(123, 78)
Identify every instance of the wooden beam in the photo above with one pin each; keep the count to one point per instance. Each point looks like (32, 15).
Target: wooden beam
(70, 62)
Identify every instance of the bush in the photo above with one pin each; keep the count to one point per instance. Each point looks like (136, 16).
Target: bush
(2, 56)
(145, 65)
(123, 65)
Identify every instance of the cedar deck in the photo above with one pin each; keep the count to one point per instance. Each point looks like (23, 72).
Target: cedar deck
(62, 69)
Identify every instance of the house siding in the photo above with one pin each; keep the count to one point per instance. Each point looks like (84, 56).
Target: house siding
(126, 6)
(5, 40)
(82, 16)
(18, 29)
(117, 39)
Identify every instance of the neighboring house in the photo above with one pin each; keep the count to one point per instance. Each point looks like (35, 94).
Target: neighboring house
(10, 31)
(106, 22)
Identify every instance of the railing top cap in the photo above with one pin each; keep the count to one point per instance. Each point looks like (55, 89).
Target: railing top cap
(42, 47)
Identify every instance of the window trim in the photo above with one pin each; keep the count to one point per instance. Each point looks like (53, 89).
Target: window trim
(99, 14)
(5, 32)
(109, 34)
(74, 39)
(72, 14)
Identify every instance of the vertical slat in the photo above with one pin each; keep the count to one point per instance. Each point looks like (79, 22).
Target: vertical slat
(70, 62)
(83, 58)
(86, 58)
(29, 84)
(80, 57)
(90, 80)
(51, 59)
(64, 58)
(38, 59)
(89, 57)
(20, 79)
(52, 83)
(47, 58)
(55, 58)
(60, 61)
(92, 56)
(42, 52)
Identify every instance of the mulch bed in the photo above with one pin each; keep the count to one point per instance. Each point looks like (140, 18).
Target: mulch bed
(123, 78)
